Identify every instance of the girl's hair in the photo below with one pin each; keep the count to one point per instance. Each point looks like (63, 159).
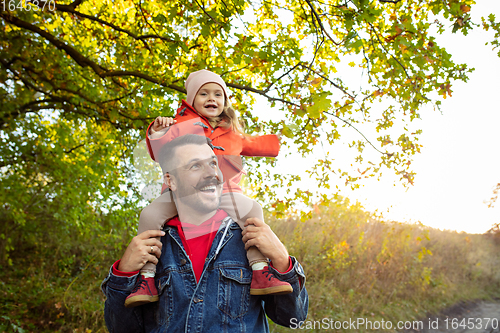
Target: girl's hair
(227, 119)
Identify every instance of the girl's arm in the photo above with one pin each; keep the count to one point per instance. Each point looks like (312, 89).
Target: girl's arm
(174, 129)
(264, 145)
(160, 126)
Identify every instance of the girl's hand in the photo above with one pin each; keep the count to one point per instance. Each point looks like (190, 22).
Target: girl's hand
(279, 134)
(161, 123)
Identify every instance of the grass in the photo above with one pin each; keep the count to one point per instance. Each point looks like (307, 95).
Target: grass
(361, 267)
(357, 266)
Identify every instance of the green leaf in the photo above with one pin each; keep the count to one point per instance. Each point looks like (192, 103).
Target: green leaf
(320, 104)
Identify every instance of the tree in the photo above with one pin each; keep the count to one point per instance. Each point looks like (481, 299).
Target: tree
(495, 228)
(495, 26)
(80, 81)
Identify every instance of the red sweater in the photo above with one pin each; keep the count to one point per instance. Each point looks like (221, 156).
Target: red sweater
(197, 239)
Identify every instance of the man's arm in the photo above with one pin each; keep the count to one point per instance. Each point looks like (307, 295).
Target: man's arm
(118, 318)
(290, 309)
(286, 310)
(116, 287)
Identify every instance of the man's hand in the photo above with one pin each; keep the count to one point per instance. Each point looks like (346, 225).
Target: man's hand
(138, 252)
(260, 235)
(161, 123)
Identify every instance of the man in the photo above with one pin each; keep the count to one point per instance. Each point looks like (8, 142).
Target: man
(203, 277)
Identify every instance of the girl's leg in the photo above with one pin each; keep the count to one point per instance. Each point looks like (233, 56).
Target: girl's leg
(153, 217)
(240, 208)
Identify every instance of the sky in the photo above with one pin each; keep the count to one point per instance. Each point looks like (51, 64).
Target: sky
(459, 163)
(460, 160)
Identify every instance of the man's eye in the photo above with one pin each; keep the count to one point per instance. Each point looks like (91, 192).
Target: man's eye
(195, 166)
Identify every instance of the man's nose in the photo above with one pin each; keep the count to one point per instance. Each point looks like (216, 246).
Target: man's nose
(215, 172)
(211, 171)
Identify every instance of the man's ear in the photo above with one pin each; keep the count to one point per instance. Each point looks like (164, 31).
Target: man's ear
(169, 181)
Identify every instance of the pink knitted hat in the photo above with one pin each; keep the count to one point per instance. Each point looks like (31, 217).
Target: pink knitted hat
(197, 79)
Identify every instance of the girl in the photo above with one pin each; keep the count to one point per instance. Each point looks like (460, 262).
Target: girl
(207, 111)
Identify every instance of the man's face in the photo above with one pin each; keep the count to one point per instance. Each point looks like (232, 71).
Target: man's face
(196, 183)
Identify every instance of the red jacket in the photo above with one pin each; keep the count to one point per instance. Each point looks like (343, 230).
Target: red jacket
(228, 144)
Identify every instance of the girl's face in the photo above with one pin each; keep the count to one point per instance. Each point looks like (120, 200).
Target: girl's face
(209, 101)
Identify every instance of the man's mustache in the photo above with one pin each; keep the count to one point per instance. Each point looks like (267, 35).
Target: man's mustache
(214, 181)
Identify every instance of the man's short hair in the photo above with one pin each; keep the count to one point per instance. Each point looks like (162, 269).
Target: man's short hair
(166, 155)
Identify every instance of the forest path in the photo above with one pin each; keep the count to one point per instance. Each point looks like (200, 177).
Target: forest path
(472, 317)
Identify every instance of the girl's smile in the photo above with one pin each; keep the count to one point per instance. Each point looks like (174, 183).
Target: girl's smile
(209, 100)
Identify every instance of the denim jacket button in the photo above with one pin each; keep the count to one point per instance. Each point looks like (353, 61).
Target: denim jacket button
(183, 262)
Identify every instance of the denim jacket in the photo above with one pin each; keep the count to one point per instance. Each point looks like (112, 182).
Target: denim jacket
(219, 302)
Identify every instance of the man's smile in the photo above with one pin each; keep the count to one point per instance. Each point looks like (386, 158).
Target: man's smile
(208, 186)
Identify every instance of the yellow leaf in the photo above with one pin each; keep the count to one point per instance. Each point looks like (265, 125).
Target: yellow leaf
(255, 61)
(352, 64)
(316, 82)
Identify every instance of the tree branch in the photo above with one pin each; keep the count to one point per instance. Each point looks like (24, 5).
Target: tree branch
(73, 53)
(30, 104)
(282, 76)
(260, 92)
(317, 45)
(146, 20)
(158, 37)
(333, 84)
(104, 72)
(347, 123)
(393, 57)
(319, 22)
(74, 148)
(71, 6)
(111, 25)
(145, 77)
(203, 8)
(82, 60)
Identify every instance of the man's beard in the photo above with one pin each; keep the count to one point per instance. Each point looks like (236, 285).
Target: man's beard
(190, 196)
